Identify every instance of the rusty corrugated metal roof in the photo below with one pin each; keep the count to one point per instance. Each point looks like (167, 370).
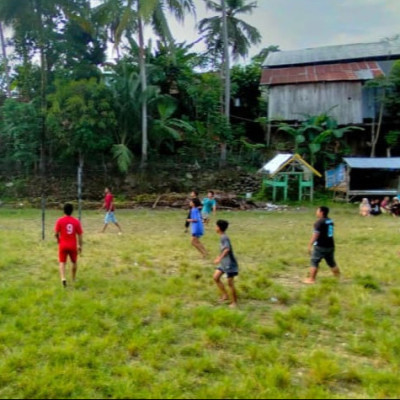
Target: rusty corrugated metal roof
(359, 51)
(355, 71)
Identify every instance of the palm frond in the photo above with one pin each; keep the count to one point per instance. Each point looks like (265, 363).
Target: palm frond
(123, 156)
(213, 6)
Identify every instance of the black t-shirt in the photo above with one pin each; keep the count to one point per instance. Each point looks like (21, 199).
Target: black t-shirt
(325, 228)
(395, 209)
(376, 209)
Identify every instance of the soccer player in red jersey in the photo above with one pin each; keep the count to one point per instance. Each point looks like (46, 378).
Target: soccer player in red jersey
(67, 230)
(110, 209)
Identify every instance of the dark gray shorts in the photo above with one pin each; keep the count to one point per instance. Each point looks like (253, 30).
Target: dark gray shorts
(322, 253)
(229, 273)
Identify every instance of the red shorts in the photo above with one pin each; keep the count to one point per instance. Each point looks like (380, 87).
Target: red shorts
(64, 253)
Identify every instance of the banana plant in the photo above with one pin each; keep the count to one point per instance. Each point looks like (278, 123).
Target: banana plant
(316, 135)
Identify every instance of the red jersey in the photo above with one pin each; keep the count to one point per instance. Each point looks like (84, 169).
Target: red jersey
(109, 202)
(68, 228)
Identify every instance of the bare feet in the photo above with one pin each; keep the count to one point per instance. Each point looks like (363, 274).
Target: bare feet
(309, 281)
(223, 299)
(233, 305)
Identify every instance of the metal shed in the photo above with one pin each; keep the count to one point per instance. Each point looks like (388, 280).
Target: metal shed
(313, 81)
(372, 177)
(285, 166)
(382, 50)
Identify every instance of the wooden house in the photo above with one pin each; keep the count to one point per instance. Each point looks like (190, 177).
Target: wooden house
(317, 80)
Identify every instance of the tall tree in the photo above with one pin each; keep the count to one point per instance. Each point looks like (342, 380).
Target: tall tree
(241, 35)
(125, 84)
(136, 15)
(29, 19)
(225, 32)
(82, 42)
(5, 60)
(20, 134)
(81, 117)
(227, 76)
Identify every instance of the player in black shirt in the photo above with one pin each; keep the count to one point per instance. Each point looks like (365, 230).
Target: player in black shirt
(322, 245)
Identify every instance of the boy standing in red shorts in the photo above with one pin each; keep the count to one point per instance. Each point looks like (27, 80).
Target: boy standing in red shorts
(110, 209)
(67, 230)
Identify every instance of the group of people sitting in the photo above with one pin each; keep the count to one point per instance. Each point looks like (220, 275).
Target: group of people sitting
(377, 207)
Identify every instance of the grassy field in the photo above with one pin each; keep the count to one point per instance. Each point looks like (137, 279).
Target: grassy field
(143, 320)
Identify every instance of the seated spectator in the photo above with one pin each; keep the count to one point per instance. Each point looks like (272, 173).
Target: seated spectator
(395, 208)
(365, 208)
(376, 207)
(385, 205)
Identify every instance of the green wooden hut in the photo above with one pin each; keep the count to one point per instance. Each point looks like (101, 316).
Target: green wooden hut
(285, 169)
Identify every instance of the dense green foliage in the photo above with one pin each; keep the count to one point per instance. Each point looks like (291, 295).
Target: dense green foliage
(320, 139)
(70, 100)
(80, 81)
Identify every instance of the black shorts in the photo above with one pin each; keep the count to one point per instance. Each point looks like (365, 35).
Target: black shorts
(322, 253)
(228, 274)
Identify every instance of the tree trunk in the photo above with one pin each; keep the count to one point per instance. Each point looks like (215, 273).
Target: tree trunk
(43, 110)
(227, 79)
(224, 152)
(376, 135)
(5, 59)
(268, 134)
(143, 77)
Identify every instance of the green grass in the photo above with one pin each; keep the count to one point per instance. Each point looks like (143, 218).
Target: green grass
(143, 320)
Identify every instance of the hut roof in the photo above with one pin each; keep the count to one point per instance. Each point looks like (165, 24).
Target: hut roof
(373, 163)
(383, 50)
(355, 71)
(281, 161)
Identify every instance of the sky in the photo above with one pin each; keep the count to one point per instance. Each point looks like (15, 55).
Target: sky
(300, 24)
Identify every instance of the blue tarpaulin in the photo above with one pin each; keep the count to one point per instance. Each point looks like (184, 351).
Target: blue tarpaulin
(335, 176)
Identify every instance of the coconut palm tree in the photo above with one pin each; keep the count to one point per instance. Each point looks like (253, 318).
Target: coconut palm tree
(225, 32)
(241, 35)
(5, 60)
(135, 15)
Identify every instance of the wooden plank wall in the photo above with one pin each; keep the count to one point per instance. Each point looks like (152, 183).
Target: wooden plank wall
(291, 101)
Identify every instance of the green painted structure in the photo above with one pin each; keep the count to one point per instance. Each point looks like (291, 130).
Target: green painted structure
(283, 170)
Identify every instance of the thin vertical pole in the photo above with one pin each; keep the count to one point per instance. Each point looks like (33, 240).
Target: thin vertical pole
(43, 217)
(80, 171)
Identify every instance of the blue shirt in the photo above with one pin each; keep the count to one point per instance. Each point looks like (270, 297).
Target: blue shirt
(197, 227)
(208, 205)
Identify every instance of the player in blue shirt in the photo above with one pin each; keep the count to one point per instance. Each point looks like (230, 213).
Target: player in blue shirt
(209, 206)
(197, 226)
